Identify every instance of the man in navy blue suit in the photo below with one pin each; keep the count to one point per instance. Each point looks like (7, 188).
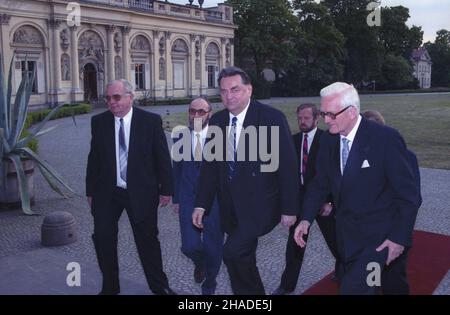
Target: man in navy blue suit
(255, 190)
(378, 118)
(307, 145)
(204, 249)
(366, 167)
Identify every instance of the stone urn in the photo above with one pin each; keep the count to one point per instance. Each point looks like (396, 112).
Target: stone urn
(10, 194)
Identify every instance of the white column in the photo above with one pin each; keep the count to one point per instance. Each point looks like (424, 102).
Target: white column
(232, 52)
(155, 73)
(169, 66)
(110, 53)
(193, 89)
(203, 72)
(4, 22)
(74, 59)
(55, 66)
(126, 52)
(223, 52)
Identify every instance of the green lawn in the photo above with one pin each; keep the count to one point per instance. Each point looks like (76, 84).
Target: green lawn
(423, 119)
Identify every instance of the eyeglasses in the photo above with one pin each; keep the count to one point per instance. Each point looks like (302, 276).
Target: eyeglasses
(200, 112)
(115, 97)
(333, 115)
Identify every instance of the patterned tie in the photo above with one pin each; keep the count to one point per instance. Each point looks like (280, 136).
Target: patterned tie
(305, 155)
(231, 149)
(345, 151)
(198, 148)
(123, 153)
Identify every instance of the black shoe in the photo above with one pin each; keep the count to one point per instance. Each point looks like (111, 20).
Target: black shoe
(199, 275)
(281, 291)
(109, 292)
(166, 291)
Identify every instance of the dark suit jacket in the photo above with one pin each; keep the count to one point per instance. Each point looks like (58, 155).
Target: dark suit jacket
(311, 166)
(149, 170)
(373, 203)
(185, 176)
(253, 200)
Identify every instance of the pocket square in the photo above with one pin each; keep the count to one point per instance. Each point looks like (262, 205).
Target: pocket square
(365, 164)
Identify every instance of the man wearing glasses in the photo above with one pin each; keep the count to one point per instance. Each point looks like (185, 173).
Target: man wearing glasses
(365, 166)
(203, 247)
(252, 201)
(128, 167)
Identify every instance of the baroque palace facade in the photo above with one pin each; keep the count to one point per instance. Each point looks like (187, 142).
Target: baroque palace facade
(165, 50)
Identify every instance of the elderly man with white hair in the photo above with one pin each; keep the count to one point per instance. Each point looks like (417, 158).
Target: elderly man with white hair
(365, 167)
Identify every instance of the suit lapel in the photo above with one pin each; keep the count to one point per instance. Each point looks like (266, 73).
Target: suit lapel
(251, 119)
(134, 131)
(356, 157)
(336, 167)
(110, 141)
(312, 154)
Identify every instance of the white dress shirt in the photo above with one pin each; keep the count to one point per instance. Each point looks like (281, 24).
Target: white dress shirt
(126, 125)
(239, 123)
(350, 137)
(203, 134)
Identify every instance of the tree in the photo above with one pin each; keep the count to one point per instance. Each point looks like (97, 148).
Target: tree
(364, 50)
(440, 56)
(263, 38)
(320, 52)
(396, 73)
(396, 37)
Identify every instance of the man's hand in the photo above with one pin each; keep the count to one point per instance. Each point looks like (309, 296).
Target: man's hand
(197, 217)
(89, 200)
(394, 250)
(288, 220)
(326, 209)
(175, 208)
(164, 201)
(300, 230)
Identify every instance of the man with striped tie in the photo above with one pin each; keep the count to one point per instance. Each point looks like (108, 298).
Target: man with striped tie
(252, 201)
(128, 168)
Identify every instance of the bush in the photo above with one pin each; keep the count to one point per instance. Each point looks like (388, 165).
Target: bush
(37, 116)
(65, 111)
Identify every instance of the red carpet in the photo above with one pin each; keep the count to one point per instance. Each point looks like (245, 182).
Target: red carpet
(428, 263)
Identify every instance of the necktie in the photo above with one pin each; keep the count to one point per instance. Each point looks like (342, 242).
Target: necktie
(123, 153)
(231, 149)
(305, 156)
(198, 148)
(345, 151)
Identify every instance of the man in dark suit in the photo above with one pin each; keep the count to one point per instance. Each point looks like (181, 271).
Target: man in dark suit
(253, 194)
(366, 167)
(128, 167)
(307, 145)
(204, 249)
(392, 283)
(378, 118)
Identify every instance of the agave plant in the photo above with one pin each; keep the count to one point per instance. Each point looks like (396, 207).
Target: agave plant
(13, 147)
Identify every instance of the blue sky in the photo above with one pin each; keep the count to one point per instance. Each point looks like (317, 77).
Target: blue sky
(432, 15)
